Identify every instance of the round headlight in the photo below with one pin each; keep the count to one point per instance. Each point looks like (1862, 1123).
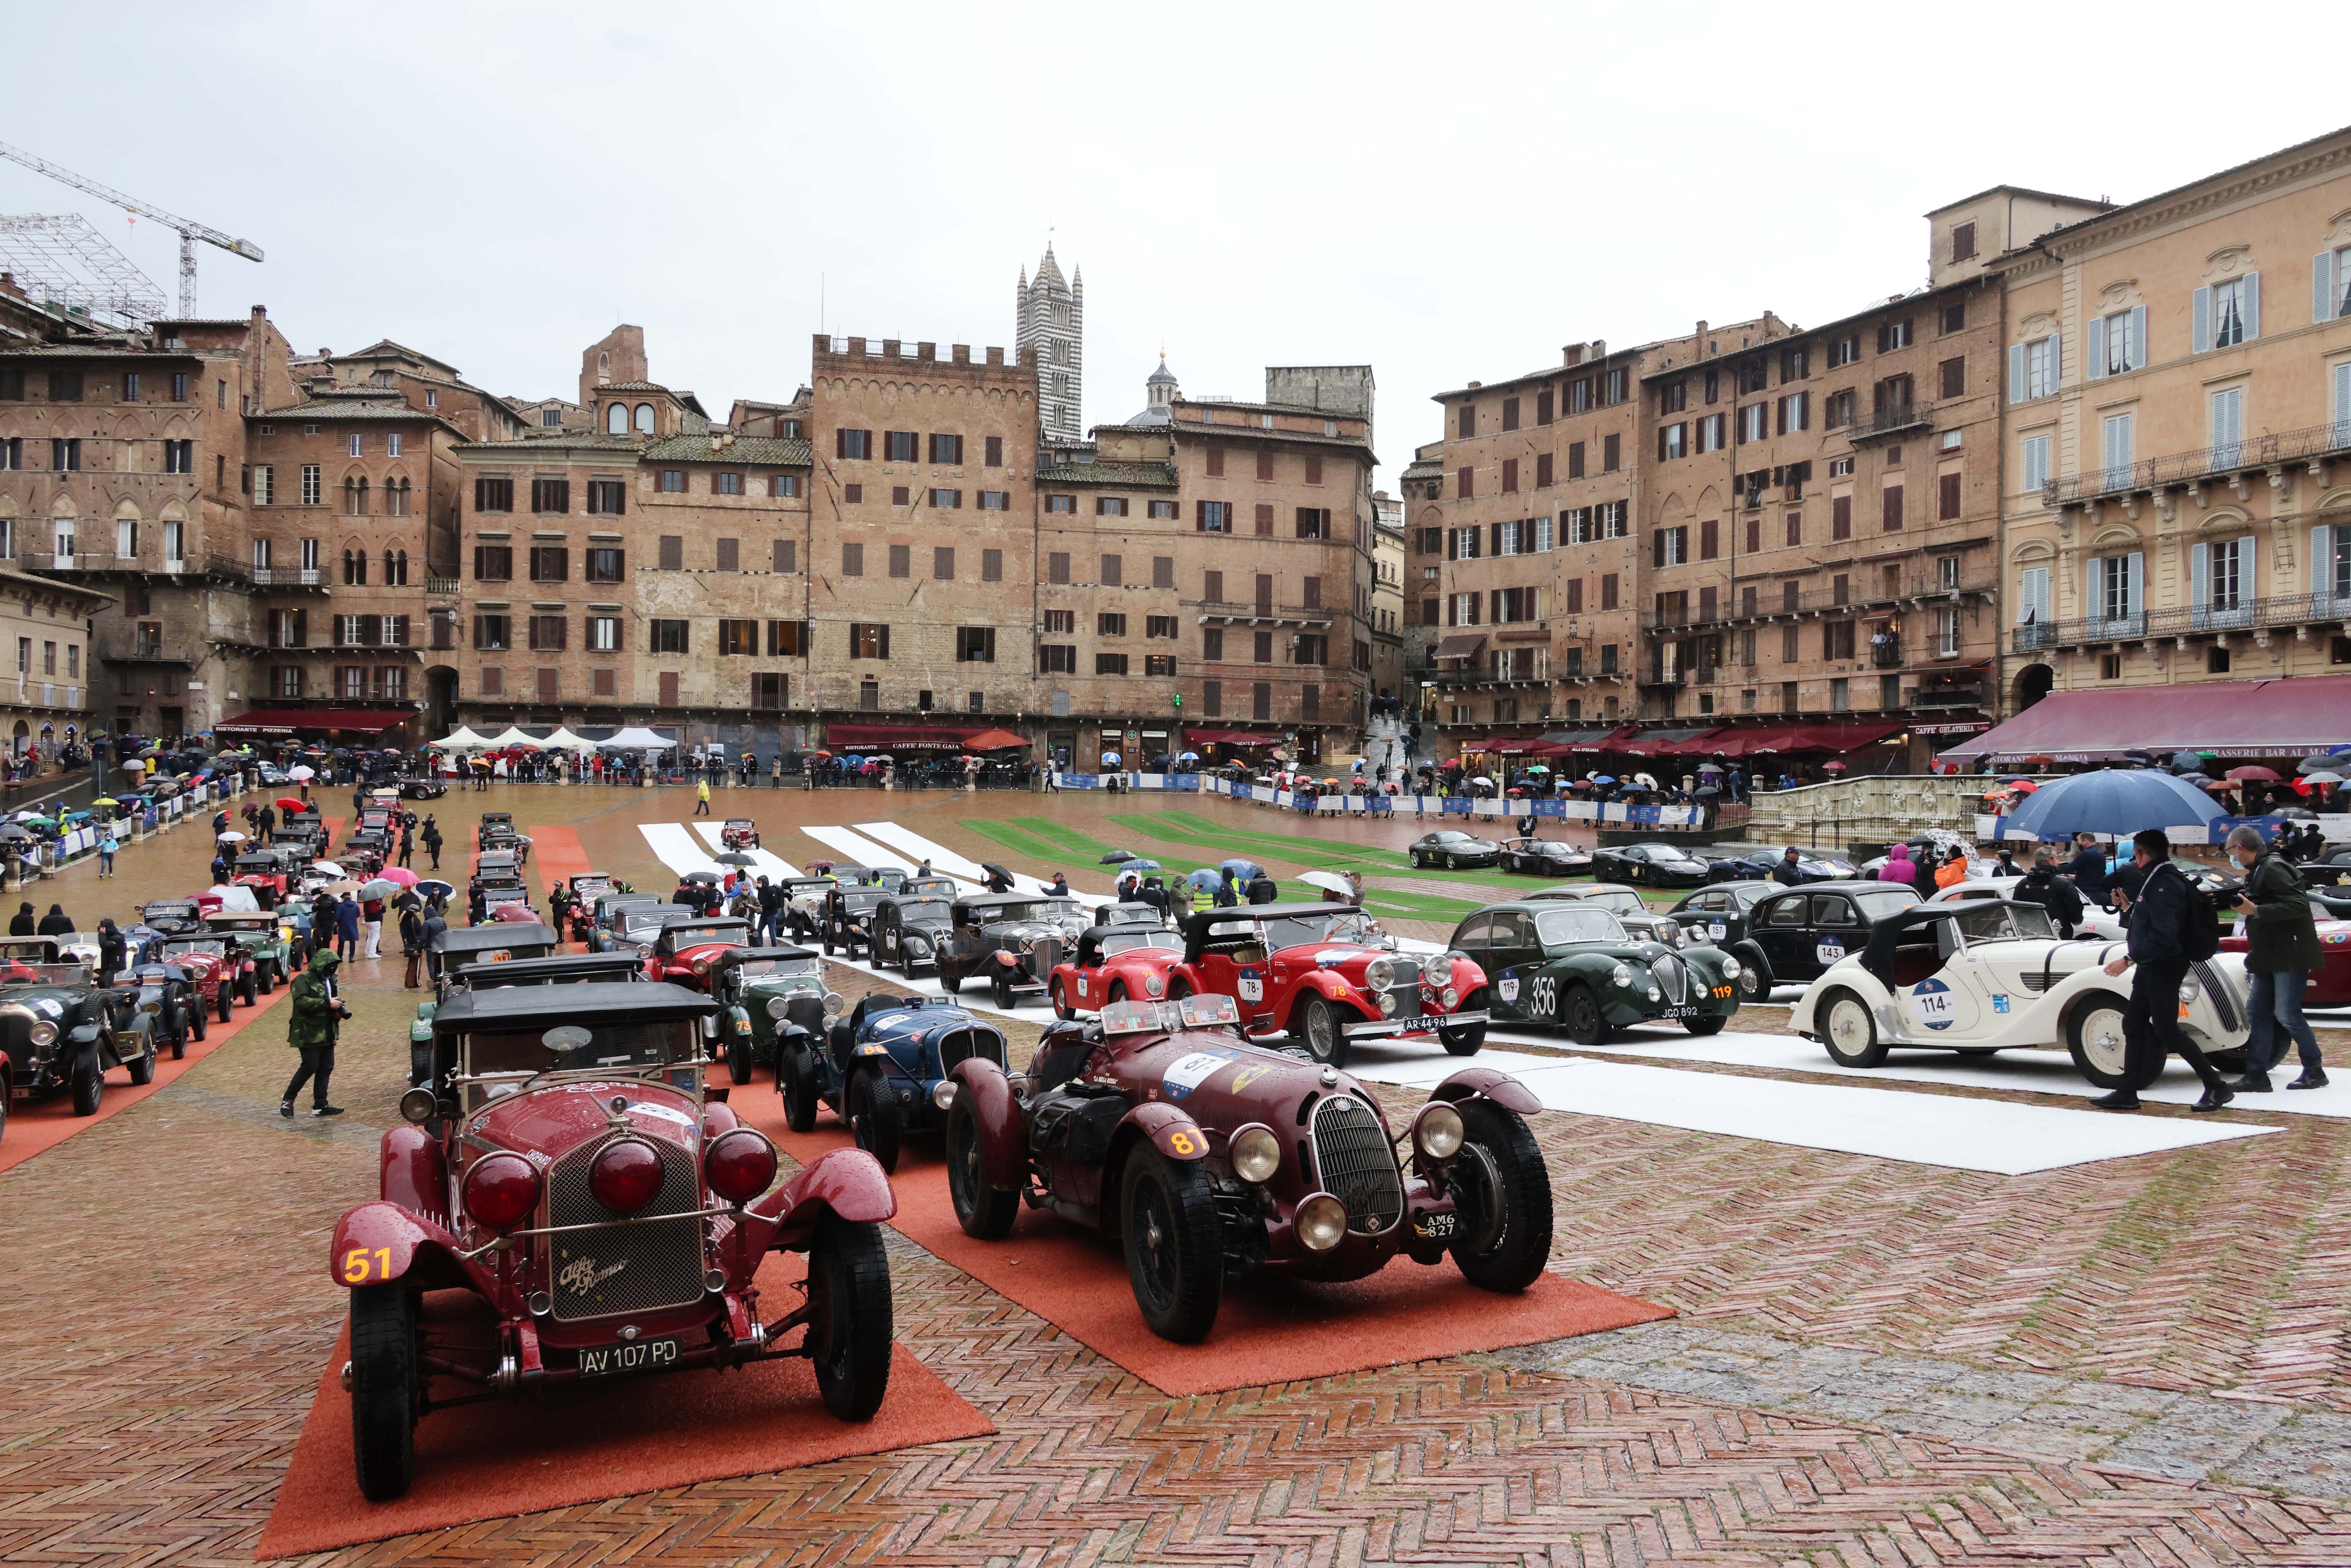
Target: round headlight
(1379, 975)
(1621, 974)
(417, 1105)
(645, 949)
(1671, 934)
(1322, 1222)
(834, 1006)
(2188, 991)
(1733, 968)
(43, 1032)
(1153, 984)
(626, 1175)
(1654, 994)
(1437, 971)
(701, 966)
(1387, 1004)
(500, 1190)
(778, 1007)
(1450, 997)
(739, 1164)
(918, 944)
(1437, 1131)
(1257, 1155)
(943, 1092)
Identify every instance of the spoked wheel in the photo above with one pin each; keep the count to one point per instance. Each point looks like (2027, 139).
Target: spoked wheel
(1315, 1026)
(386, 1381)
(1580, 1016)
(1505, 1193)
(1851, 1032)
(982, 1211)
(849, 1331)
(1175, 1248)
(873, 1116)
(2094, 1037)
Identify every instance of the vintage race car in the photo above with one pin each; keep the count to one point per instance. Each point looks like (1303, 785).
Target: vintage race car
(633, 926)
(266, 872)
(848, 922)
(1796, 935)
(739, 834)
(804, 901)
(461, 947)
(2096, 919)
(265, 941)
(216, 968)
(910, 930)
(60, 1032)
(1147, 915)
(689, 944)
(1544, 857)
(172, 916)
(882, 1070)
(767, 992)
(1115, 964)
(1573, 966)
(164, 994)
(1649, 865)
(1322, 973)
(1207, 1155)
(1990, 975)
(565, 1164)
(1067, 915)
(1641, 922)
(422, 789)
(1004, 941)
(1452, 847)
(491, 895)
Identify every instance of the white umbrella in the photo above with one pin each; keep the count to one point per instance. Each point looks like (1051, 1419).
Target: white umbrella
(300, 774)
(236, 900)
(330, 867)
(1329, 881)
(230, 837)
(462, 739)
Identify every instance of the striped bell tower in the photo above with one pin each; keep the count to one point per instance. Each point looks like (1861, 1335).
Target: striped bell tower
(1050, 316)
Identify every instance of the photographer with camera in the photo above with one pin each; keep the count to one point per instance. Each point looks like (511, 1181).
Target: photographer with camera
(2282, 949)
(317, 1011)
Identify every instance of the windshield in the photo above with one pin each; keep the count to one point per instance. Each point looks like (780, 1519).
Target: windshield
(1132, 916)
(14, 972)
(772, 968)
(2004, 922)
(211, 946)
(924, 909)
(643, 922)
(860, 898)
(991, 913)
(1138, 941)
(1297, 930)
(1558, 926)
(1057, 908)
(693, 936)
(611, 1045)
(1623, 900)
(1877, 906)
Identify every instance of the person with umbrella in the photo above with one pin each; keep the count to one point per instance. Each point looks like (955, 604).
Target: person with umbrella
(998, 879)
(371, 916)
(412, 939)
(2156, 922)
(432, 836)
(347, 926)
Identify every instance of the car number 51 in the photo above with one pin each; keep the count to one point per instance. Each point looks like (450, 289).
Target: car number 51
(363, 1264)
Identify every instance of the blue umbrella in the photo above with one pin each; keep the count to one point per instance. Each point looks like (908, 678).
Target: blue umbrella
(1202, 878)
(1140, 865)
(1239, 867)
(1604, 778)
(2119, 802)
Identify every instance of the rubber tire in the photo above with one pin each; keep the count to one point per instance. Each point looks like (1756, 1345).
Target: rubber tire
(1062, 1008)
(142, 1070)
(738, 1060)
(985, 1214)
(2077, 1047)
(1000, 988)
(1872, 1050)
(950, 980)
(1182, 1309)
(385, 1380)
(199, 1024)
(1516, 1260)
(1582, 1030)
(872, 1115)
(1417, 861)
(1117, 993)
(1703, 1026)
(1314, 1009)
(850, 1330)
(268, 973)
(88, 1080)
(248, 986)
(797, 1087)
(226, 1003)
(1452, 862)
(827, 941)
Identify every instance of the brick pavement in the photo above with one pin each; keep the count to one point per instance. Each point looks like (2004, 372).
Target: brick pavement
(170, 1310)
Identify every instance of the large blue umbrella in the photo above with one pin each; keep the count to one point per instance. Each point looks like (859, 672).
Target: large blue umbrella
(2119, 802)
(1204, 879)
(1239, 867)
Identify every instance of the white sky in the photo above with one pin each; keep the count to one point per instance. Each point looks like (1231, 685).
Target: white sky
(1448, 192)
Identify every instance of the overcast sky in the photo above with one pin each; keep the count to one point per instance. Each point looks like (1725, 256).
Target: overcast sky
(1448, 192)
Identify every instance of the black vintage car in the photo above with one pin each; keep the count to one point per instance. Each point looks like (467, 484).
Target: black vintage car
(556, 969)
(461, 947)
(1640, 922)
(945, 887)
(1545, 857)
(165, 995)
(1451, 847)
(1719, 914)
(604, 915)
(848, 919)
(60, 1032)
(422, 789)
(1795, 934)
(1649, 865)
(1007, 941)
(633, 926)
(909, 930)
(172, 916)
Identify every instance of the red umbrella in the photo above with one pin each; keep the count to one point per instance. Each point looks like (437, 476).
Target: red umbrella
(2022, 786)
(1832, 767)
(289, 803)
(2259, 774)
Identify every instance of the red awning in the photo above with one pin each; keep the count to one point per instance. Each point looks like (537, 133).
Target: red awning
(993, 740)
(1780, 740)
(1673, 743)
(897, 737)
(1230, 737)
(303, 720)
(2290, 717)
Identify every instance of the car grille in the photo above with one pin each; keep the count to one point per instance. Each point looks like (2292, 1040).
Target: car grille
(1358, 1167)
(1408, 998)
(1408, 970)
(1673, 977)
(630, 1268)
(2034, 980)
(1044, 956)
(2224, 1001)
(964, 1044)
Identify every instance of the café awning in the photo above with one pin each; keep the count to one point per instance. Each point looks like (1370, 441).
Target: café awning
(1685, 742)
(1231, 737)
(291, 721)
(2289, 717)
(847, 736)
(1787, 739)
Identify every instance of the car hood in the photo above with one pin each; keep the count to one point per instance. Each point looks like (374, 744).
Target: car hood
(1023, 928)
(1224, 1082)
(554, 1119)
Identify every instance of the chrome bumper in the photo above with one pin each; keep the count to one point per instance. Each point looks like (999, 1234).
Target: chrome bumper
(1427, 1023)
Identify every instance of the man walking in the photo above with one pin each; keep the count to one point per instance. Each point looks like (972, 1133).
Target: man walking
(412, 941)
(702, 797)
(2156, 924)
(347, 926)
(2043, 886)
(106, 847)
(432, 840)
(2282, 949)
(2088, 868)
(310, 1029)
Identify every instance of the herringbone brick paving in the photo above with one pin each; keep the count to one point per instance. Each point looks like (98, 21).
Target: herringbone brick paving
(167, 1313)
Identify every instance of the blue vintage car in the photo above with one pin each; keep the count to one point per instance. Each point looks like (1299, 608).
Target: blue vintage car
(884, 1069)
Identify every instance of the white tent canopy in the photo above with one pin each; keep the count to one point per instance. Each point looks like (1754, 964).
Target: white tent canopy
(462, 739)
(513, 736)
(564, 740)
(636, 737)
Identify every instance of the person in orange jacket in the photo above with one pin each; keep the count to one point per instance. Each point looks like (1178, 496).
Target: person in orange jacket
(1954, 869)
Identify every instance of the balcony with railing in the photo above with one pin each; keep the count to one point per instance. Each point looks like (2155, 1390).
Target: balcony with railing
(2286, 610)
(2206, 464)
(289, 576)
(1265, 613)
(1895, 419)
(1911, 591)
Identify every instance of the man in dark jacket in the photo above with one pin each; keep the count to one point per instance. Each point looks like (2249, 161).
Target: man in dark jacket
(431, 837)
(111, 951)
(2088, 868)
(1788, 874)
(1261, 889)
(435, 923)
(2156, 922)
(2282, 949)
(24, 924)
(2043, 886)
(56, 922)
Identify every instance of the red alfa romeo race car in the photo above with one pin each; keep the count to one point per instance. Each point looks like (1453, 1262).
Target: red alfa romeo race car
(566, 1165)
(1206, 1155)
(1114, 963)
(687, 946)
(1325, 974)
(739, 834)
(214, 965)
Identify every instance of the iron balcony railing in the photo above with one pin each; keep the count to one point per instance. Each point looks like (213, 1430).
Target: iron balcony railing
(1888, 420)
(2245, 615)
(289, 576)
(2181, 468)
(1918, 591)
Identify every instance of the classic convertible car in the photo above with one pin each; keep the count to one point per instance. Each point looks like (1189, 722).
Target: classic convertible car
(1207, 1155)
(1989, 975)
(1573, 964)
(60, 1033)
(611, 1213)
(767, 992)
(1115, 964)
(214, 965)
(804, 901)
(739, 834)
(688, 946)
(882, 1069)
(1004, 941)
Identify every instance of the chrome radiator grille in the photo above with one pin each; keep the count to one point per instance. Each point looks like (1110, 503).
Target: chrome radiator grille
(2224, 1001)
(623, 1267)
(1358, 1167)
(1043, 956)
(1408, 970)
(1672, 977)
(964, 1044)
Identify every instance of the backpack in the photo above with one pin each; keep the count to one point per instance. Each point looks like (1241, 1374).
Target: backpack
(2200, 936)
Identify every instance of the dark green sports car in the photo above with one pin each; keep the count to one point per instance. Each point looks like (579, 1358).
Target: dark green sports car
(1572, 966)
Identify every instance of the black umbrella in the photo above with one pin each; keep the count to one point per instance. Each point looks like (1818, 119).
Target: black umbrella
(1706, 790)
(994, 870)
(11, 833)
(702, 876)
(1118, 857)
(733, 857)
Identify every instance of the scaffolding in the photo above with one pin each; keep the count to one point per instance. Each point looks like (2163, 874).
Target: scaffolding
(60, 261)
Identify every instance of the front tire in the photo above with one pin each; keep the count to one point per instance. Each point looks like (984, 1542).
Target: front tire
(1173, 1245)
(2094, 1037)
(197, 1025)
(226, 1003)
(950, 980)
(1508, 1239)
(873, 1116)
(796, 1082)
(985, 1214)
(1001, 986)
(1703, 1026)
(738, 1060)
(1580, 1016)
(1465, 1040)
(268, 978)
(250, 986)
(87, 1080)
(1849, 1030)
(1062, 1008)
(1315, 1026)
(386, 1381)
(142, 1069)
(849, 1332)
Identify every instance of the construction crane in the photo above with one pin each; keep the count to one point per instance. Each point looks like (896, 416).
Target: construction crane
(189, 231)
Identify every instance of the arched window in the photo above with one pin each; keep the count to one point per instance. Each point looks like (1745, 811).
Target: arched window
(644, 419)
(355, 497)
(616, 419)
(355, 564)
(395, 568)
(395, 498)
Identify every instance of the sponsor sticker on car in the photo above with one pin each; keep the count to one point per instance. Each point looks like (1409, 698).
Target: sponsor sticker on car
(1715, 930)
(1186, 1073)
(1999, 1003)
(1252, 985)
(1934, 1002)
(1830, 951)
(1506, 984)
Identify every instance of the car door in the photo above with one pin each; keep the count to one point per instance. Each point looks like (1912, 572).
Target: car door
(1512, 954)
(1953, 1000)
(1837, 929)
(1780, 927)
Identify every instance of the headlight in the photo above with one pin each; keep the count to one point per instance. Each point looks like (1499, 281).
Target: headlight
(701, 966)
(43, 1032)
(943, 1092)
(1656, 994)
(1621, 974)
(1438, 971)
(1322, 1222)
(1387, 1004)
(1379, 975)
(1153, 984)
(1672, 935)
(1451, 999)
(1730, 969)
(2188, 991)
(834, 1006)
(918, 944)
(645, 949)
(1437, 1132)
(1257, 1155)
(778, 1007)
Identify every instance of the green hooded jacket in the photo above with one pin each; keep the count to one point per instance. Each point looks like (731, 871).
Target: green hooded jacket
(312, 1021)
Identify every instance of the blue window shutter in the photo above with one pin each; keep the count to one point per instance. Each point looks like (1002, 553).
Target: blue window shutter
(2199, 308)
(2139, 337)
(2016, 373)
(2056, 360)
(2322, 287)
(2135, 580)
(2199, 579)
(2322, 562)
(2252, 305)
(2095, 337)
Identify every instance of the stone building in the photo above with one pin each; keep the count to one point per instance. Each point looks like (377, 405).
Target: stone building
(47, 625)
(1050, 332)
(1387, 622)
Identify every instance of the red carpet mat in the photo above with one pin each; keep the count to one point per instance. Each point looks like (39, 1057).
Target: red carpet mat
(34, 1125)
(1268, 1330)
(584, 1443)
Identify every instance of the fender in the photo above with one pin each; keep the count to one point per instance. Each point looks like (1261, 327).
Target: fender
(1468, 975)
(1002, 1160)
(378, 1242)
(412, 1172)
(1170, 1129)
(1006, 960)
(719, 1117)
(1487, 1083)
(848, 1183)
(738, 1022)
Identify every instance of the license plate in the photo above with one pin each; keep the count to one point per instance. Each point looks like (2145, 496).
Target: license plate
(1681, 1012)
(637, 1355)
(1434, 1227)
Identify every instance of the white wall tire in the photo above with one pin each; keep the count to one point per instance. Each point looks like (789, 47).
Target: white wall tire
(1849, 1030)
(2095, 1039)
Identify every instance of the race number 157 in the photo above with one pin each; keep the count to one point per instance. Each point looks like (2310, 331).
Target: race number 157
(361, 1265)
